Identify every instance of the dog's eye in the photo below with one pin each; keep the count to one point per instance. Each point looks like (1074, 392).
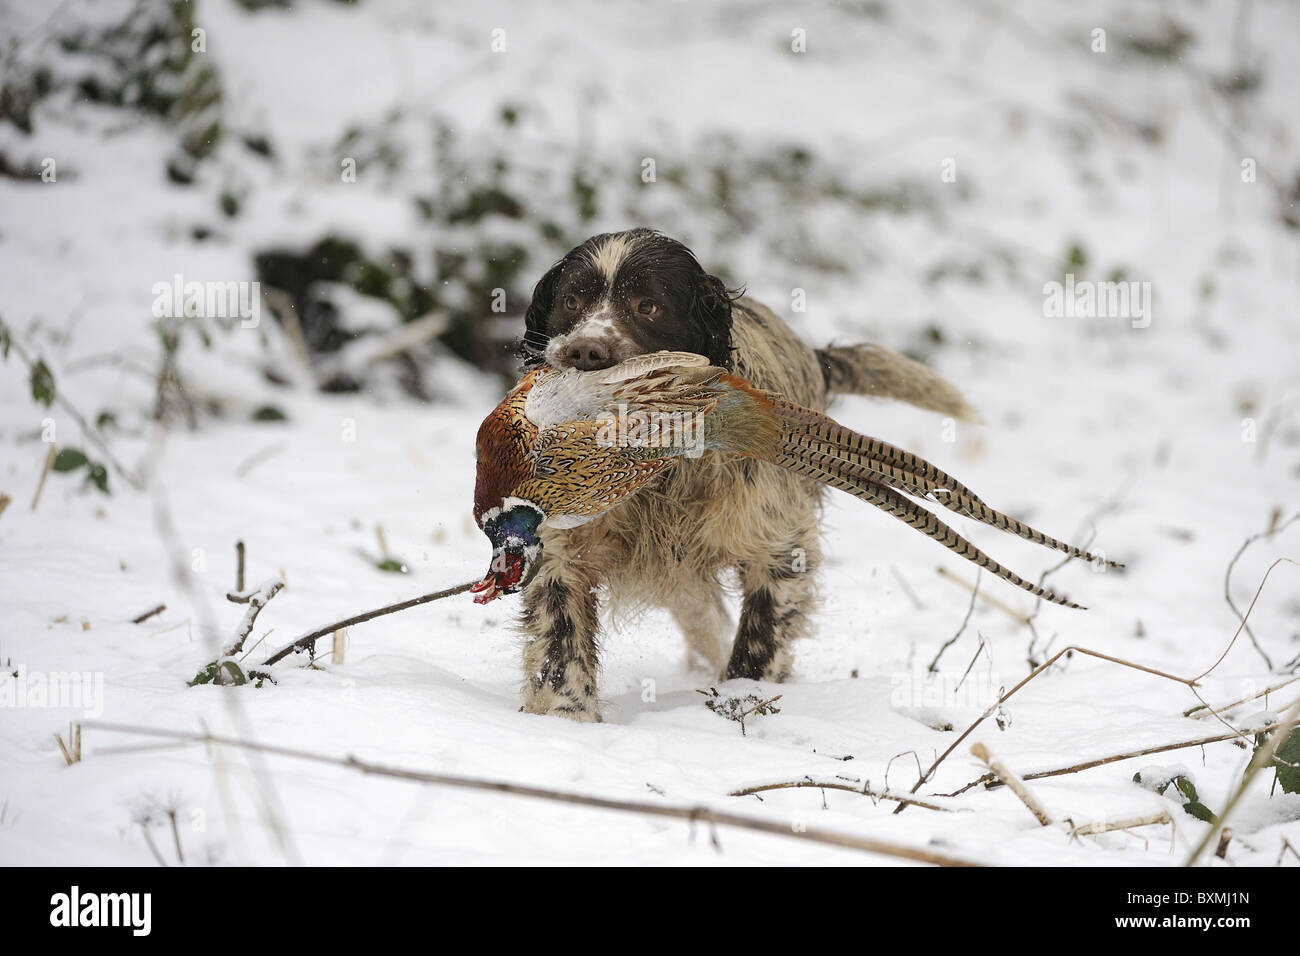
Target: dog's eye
(572, 303)
(647, 308)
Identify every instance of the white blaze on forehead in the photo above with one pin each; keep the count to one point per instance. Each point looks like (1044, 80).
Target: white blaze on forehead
(609, 256)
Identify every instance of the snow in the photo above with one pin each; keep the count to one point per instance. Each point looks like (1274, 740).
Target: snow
(1134, 435)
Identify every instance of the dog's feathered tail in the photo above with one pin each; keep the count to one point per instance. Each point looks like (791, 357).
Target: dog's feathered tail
(879, 373)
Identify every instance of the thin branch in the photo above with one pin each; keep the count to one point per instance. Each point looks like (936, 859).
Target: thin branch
(992, 784)
(308, 641)
(256, 599)
(1092, 829)
(1193, 711)
(255, 459)
(902, 583)
(863, 791)
(1246, 616)
(148, 614)
(970, 609)
(692, 814)
(50, 454)
(1012, 780)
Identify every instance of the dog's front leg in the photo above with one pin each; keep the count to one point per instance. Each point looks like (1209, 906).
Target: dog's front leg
(560, 627)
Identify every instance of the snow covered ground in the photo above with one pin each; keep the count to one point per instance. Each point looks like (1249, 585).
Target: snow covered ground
(1172, 442)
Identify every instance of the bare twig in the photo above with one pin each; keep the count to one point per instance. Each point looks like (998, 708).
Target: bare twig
(1012, 780)
(902, 583)
(693, 814)
(1224, 839)
(1091, 829)
(992, 784)
(148, 614)
(1193, 711)
(255, 459)
(1286, 847)
(256, 599)
(864, 791)
(308, 641)
(1273, 530)
(50, 454)
(970, 609)
(1246, 617)
(239, 565)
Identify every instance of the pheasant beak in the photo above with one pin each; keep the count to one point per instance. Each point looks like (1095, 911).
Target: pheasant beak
(508, 569)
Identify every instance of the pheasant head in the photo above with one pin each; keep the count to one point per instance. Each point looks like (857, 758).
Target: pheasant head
(510, 522)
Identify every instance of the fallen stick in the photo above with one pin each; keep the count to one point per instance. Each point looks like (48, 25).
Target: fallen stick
(1091, 829)
(992, 783)
(692, 814)
(50, 454)
(1012, 780)
(148, 614)
(862, 791)
(1193, 711)
(309, 640)
(256, 599)
(970, 609)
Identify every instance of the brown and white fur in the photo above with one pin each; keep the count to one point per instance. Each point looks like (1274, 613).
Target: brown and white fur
(624, 294)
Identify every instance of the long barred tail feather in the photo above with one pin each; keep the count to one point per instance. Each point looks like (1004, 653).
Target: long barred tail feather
(921, 519)
(834, 449)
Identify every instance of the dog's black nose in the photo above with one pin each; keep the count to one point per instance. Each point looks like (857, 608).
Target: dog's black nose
(587, 355)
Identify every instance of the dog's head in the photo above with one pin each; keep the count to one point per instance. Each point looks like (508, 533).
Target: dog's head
(622, 294)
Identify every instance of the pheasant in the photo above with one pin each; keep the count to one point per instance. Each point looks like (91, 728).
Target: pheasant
(566, 446)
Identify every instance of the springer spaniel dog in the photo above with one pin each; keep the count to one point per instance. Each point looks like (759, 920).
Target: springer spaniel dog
(622, 294)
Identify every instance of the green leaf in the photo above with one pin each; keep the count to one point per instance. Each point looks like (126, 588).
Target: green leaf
(69, 459)
(237, 676)
(1287, 762)
(106, 419)
(204, 676)
(1191, 801)
(1186, 788)
(42, 383)
(269, 413)
(97, 475)
(392, 564)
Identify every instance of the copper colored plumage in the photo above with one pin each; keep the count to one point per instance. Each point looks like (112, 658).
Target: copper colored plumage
(566, 446)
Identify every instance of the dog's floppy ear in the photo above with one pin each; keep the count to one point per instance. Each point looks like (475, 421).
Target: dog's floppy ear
(533, 344)
(711, 318)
